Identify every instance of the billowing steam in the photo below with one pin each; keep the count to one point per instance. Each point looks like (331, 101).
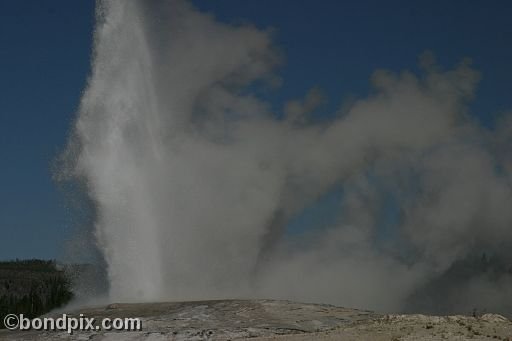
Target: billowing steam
(195, 178)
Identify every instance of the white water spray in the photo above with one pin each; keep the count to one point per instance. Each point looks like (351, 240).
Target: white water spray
(194, 179)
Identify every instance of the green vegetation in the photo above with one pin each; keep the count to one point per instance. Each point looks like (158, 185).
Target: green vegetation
(32, 287)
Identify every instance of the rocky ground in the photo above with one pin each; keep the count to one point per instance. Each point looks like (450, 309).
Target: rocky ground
(274, 320)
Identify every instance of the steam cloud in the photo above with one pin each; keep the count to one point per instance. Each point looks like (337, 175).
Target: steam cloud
(195, 179)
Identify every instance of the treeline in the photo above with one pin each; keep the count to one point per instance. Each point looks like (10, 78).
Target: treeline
(32, 287)
(479, 276)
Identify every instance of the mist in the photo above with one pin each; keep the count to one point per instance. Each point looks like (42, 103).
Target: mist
(195, 177)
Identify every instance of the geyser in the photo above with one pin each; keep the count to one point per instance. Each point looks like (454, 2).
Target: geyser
(195, 177)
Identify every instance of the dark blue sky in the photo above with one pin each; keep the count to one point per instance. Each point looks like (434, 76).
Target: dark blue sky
(45, 56)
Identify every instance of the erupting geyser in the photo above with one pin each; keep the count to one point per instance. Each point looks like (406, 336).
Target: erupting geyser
(195, 177)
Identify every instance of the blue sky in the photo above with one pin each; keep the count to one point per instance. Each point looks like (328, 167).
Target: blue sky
(45, 57)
